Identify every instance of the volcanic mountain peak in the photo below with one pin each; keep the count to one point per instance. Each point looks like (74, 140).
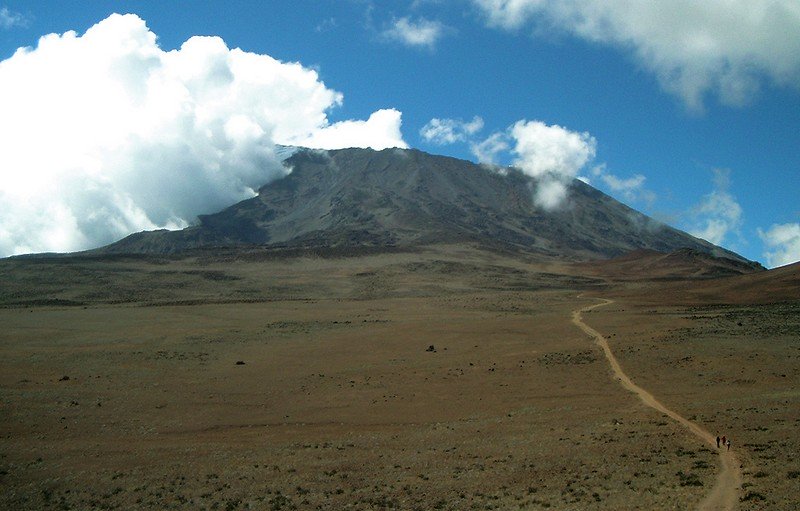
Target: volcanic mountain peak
(406, 198)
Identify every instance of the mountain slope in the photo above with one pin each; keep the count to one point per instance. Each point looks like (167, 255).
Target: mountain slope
(404, 198)
(682, 264)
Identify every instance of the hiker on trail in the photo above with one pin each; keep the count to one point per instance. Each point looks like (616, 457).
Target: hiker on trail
(729, 444)
(717, 441)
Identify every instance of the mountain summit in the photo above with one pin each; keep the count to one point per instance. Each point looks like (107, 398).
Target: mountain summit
(404, 198)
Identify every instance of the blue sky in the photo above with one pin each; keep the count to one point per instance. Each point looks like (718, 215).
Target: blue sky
(688, 113)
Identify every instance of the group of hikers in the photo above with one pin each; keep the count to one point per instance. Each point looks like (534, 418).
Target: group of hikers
(726, 442)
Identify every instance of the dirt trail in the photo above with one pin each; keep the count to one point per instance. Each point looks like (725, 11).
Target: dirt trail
(723, 496)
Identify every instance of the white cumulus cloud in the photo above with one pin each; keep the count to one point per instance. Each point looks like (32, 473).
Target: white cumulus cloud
(726, 47)
(544, 150)
(380, 131)
(420, 33)
(783, 244)
(552, 154)
(105, 133)
(450, 131)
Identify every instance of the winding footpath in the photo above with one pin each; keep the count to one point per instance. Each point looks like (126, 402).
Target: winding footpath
(723, 496)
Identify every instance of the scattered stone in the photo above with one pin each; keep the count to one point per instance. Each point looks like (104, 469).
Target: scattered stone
(64, 378)
(240, 362)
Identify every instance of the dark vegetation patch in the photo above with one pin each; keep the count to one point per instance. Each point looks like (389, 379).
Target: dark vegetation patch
(777, 319)
(689, 479)
(567, 358)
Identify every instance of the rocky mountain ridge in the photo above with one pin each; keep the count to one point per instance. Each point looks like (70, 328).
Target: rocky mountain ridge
(405, 198)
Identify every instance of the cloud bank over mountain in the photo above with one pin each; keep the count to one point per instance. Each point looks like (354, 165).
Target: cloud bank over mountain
(106, 133)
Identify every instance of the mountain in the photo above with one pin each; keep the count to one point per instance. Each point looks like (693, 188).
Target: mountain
(663, 286)
(685, 263)
(406, 198)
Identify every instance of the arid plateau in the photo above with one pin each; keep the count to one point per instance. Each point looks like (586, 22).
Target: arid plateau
(443, 377)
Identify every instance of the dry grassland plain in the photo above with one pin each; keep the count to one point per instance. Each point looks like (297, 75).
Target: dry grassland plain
(450, 378)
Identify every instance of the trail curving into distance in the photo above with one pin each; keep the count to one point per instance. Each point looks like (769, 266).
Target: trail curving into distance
(724, 493)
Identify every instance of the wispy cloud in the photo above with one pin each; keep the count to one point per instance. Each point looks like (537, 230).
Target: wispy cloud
(326, 25)
(487, 150)
(631, 189)
(9, 19)
(420, 33)
(783, 244)
(450, 131)
(725, 47)
(718, 214)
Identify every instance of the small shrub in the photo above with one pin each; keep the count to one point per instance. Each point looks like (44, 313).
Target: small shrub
(689, 479)
(752, 496)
